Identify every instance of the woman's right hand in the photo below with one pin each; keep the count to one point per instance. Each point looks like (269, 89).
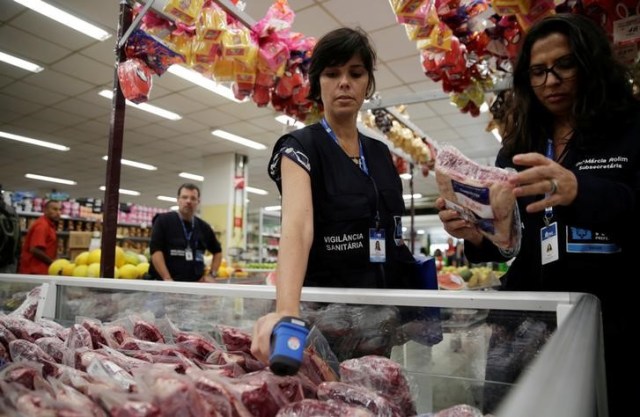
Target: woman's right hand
(261, 339)
(455, 225)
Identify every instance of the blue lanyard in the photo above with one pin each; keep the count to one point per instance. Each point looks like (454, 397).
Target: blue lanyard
(187, 235)
(330, 132)
(548, 211)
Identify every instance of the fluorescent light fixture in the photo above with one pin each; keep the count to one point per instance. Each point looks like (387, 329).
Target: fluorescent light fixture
(256, 191)
(134, 164)
(32, 141)
(408, 196)
(289, 121)
(165, 198)
(20, 63)
(273, 208)
(405, 176)
(420, 232)
(191, 176)
(201, 81)
(50, 179)
(122, 191)
(174, 208)
(65, 18)
(238, 139)
(145, 107)
(496, 134)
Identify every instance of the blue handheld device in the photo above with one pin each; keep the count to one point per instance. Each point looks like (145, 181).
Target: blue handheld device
(288, 341)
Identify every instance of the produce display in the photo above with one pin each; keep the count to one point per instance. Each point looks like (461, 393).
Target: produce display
(128, 265)
(464, 277)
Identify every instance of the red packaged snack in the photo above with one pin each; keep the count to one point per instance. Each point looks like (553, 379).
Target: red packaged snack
(135, 80)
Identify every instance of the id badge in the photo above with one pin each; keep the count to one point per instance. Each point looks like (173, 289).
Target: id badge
(188, 254)
(377, 250)
(549, 243)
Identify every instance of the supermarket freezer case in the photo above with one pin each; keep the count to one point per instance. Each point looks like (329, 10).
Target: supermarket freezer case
(441, 373)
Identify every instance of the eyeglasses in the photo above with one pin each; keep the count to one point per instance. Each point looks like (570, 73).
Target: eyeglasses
(563, 69)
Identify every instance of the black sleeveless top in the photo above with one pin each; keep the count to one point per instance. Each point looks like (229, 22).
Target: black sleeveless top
(346, 203)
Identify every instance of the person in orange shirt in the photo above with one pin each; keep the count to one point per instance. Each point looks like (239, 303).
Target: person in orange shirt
(41, 243)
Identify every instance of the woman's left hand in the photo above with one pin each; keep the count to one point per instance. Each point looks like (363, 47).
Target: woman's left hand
(558, 184)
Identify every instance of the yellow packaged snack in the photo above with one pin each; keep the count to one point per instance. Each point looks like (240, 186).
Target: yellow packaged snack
(184, 10)
(211, 24)
(235, 43)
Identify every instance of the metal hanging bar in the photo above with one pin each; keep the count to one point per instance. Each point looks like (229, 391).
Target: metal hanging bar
(135, 23)
(116, 133)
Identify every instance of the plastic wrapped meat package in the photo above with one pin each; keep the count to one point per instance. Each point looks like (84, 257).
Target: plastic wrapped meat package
(482, 195)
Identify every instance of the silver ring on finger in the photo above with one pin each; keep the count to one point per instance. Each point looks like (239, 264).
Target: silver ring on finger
(554, 186)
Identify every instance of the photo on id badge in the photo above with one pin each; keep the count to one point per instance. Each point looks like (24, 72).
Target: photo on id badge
(376, 245)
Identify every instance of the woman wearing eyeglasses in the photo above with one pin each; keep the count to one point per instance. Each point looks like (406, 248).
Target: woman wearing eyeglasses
(573, 135)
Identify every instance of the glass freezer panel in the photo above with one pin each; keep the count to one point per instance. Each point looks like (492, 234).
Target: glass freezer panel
(449, 359)
(454, 347)
(13, 294)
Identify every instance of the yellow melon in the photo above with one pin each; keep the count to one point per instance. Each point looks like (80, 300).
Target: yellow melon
(55, 268)
(80, 271)
(142, 268)
(120, 259)
(128, 271)
(82, 258)
(94, 256)
(93, 270)
(67, 270)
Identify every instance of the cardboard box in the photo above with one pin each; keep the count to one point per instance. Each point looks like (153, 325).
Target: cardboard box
(79, 240)
(73, 253)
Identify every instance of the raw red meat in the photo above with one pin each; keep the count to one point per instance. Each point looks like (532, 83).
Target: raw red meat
(381, 375)
(359, 397)
(147, 331)
(316, 408)
(235, 339)
(482, 194)
(52, 346)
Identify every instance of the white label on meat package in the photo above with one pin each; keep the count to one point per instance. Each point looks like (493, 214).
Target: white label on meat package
(473, 198)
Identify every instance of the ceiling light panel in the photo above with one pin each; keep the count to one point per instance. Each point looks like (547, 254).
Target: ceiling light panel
(20, 63)
(50, 179)
(32, 141)
(190, 176)
(238, 139)
(145, 107)
(65, 18)
(134, 164)
(122, 191)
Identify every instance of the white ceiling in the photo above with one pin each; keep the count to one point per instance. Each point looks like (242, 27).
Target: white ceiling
(61, 104)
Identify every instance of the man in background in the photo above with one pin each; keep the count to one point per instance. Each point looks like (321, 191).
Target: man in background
(179, 241)
(40, 246)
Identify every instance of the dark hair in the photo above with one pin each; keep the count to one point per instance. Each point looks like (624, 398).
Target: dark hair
(604, 97)
(336, 48)
(49, 202)
(189, 186)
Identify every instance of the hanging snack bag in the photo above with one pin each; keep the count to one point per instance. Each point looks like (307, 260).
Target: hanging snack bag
(152, 51)
(211, 23)
(235, 43)
(135, 80)
(184, 10)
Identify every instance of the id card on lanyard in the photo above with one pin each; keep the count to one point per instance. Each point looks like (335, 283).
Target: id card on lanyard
(549, 249)
(188, 252)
